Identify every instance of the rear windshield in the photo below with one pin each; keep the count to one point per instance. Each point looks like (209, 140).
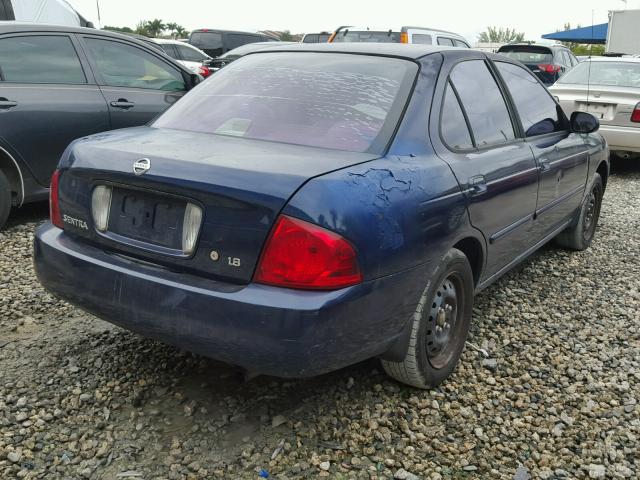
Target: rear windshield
(338, 101)
(528, 54)
(367, 36)
(619, 74)
(206, 40)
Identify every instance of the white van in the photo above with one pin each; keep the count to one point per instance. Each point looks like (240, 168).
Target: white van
(422, 35)
(54, 12)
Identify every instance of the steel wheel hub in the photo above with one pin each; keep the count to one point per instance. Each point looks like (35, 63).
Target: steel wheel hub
(443, 315)
(590, 213)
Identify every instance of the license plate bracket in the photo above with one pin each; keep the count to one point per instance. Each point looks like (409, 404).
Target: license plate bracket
(147, 217)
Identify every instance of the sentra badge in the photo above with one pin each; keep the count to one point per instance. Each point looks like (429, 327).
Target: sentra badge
(76, 222)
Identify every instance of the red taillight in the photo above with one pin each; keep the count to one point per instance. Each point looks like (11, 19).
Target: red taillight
(299, 254)
(549, 68)
(54, 201)
(635, 116)
(204, 71)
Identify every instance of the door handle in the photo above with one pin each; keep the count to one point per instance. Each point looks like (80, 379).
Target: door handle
(122, 103)
(7, 104)
(477, 185)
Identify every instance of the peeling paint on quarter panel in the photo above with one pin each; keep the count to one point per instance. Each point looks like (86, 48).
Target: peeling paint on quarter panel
(395, 210)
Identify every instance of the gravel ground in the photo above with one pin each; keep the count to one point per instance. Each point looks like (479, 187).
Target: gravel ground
(557, 396)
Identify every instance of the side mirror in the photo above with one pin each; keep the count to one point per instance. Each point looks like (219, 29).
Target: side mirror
(583, 122)
(191, 79)
(195, 79)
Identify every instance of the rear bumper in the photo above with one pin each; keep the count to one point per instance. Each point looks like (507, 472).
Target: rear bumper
(621, 138)
(270, 330)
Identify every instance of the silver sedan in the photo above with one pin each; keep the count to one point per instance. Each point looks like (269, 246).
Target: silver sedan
(609, 89)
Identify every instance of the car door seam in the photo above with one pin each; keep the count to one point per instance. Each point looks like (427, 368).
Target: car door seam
(500, 234)
(558, 201)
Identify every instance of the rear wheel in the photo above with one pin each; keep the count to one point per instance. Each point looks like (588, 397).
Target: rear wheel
(5, 199)
(580, 236)
(440, 325)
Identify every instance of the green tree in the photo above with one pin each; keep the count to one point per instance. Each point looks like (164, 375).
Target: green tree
(500, 35)
(142, 28)
(286, 36)
(155, 27)
(181, 32)
(172, 27)
(118, 29)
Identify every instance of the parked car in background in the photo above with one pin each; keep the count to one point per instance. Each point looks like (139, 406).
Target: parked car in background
(61, 83)
(53, 12)
(217, 63)
(321, 37)
(420, 35)
(548, 62)
(216, 42)
(609, 89)
(188, 55)
(293, 216)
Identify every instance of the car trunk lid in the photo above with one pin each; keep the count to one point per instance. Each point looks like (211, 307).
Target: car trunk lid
(610, 107)
(241, 185)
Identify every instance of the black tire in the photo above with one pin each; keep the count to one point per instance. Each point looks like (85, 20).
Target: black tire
(440, 325)
(5, 199)
(580, 235)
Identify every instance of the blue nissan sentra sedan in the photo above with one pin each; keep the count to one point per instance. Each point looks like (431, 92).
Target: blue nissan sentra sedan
(312, 206)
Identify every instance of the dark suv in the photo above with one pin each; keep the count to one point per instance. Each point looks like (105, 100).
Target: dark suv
(548, 62)
(62, 83)
(216, 42)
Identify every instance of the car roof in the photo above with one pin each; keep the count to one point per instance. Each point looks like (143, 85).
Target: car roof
(221, 30)
(613, 59)
(19, 27)
(402, 50)
(170, 41)
(404, 28)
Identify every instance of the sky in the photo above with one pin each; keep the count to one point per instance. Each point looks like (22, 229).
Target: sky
(467, 18)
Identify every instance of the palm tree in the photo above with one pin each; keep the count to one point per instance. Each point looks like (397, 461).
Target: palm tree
(155, 27)
(172, 27)
(181, 32)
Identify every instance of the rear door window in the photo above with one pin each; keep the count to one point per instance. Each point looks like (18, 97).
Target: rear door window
(189, 54)
(453, 126)
(461, 44)
(170, 50)
(445, 41)
(566, 61)
(537, 110)
(483, 103)
(421, 38)
(122, 65)
(328, 100)
(574, 60)
(40, 59)
(310, 38)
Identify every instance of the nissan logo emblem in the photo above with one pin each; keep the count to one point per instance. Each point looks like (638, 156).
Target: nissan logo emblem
(141, 166)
